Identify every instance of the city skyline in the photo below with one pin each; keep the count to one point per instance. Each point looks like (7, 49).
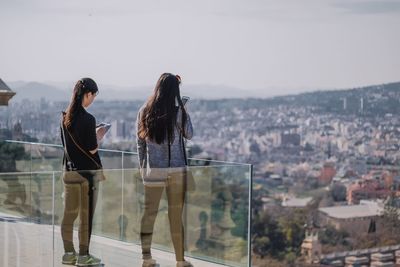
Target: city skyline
(283, 47)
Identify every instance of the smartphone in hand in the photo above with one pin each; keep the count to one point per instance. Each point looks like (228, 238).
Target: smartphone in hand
(102, 129)
(107, 126)
(185, 99)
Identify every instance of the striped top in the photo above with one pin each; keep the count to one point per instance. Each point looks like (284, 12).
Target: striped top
(155, 156)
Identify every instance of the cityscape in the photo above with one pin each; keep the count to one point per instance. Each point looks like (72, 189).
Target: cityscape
(295, 154)
(326, 180)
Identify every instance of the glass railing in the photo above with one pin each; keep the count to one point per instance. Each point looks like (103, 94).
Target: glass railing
(48, 157)
(216, 212)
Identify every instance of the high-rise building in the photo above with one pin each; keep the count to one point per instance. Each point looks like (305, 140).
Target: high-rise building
(118, 129)
(327, 173)
(362, 105)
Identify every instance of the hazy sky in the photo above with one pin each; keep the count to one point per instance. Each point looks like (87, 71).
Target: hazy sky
(248, 44)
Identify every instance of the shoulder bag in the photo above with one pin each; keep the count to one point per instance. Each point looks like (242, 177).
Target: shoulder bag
(70, 173)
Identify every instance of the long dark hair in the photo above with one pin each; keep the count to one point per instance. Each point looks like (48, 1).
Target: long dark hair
(82, 87)
(158, 118)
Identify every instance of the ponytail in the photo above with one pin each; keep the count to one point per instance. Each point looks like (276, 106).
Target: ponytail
(82, 87)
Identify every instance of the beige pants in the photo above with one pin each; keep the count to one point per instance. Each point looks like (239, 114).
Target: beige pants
(80, 199)
(176, 197)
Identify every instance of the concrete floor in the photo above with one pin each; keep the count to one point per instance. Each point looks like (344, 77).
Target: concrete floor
(24, 244)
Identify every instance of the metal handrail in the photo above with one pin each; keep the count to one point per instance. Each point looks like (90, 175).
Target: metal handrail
(123, 151)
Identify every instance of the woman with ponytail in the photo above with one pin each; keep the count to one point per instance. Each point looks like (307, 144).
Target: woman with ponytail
(163, 124)
(79, 138)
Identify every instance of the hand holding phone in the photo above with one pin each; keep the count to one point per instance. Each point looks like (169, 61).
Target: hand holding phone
(185, 99)
(101, 130)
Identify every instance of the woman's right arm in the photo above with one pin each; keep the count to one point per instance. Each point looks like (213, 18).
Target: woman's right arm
(141, 144)
(92, 137)
(188, 131)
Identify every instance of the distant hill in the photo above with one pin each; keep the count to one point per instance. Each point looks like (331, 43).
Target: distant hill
(382, 98)
(371, 100)
(60, 91)
(36, 91)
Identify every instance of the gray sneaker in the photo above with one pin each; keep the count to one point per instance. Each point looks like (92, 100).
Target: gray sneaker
(87, 260)
(150, 263)
(69, 258)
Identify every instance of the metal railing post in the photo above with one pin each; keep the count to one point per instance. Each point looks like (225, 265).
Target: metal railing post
(250, 221)
(53, 211)
(122, 193)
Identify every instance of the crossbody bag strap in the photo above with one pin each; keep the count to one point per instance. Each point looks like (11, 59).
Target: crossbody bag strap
(181, 130)
(184, 149)
(169, 153)
(83, 151)
(65, 144)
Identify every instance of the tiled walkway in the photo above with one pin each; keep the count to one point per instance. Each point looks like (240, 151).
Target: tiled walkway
(25, 244)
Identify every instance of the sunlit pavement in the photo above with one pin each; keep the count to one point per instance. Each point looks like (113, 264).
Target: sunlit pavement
(29, 244)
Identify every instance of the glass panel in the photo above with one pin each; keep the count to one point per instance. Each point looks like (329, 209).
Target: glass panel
(131, 160)
(109, 205)
(45, 157)
(129, 221)
(26, 231)
(215, 216)
(111, 159)
(15, 157)
(215, 213)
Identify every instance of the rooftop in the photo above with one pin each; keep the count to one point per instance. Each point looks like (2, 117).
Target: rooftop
(296, 202)
(364, 209)
(5, 93)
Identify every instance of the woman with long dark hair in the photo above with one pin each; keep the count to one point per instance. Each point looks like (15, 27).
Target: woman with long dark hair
(162, 125)
(79, 138)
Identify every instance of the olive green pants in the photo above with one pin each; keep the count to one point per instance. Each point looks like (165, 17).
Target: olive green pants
(80, 199)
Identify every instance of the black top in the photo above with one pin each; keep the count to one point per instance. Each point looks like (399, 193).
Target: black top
(83, 130)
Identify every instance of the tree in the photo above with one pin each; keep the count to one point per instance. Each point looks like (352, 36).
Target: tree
(9, 153)
(333, 237)
(267, 236)
(195, 149)
(292, 225)
(391, 216)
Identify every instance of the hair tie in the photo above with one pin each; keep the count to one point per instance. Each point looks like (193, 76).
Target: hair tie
(83, 83)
